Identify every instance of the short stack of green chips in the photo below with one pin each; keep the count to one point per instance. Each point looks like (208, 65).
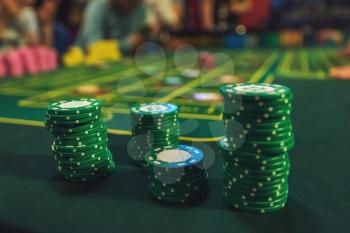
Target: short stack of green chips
(153, 125)
(80, 144)
(259, 135)
(177, 175)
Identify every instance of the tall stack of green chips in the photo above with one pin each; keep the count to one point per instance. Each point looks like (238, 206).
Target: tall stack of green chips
(154, 125)
(177, 175)
(80, 144)
(259, 134)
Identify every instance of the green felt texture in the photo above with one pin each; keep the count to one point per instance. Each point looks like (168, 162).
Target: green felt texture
(34, 200)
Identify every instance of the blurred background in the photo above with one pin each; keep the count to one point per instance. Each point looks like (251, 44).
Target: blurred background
(233, 23)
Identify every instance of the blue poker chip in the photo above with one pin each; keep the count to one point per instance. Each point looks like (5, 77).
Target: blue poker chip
(150, 109)
(170, 157)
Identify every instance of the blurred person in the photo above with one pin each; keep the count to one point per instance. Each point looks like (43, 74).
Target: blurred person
(113, 19)
(74, 18)
(53, 32)
(207, 9)
(162, 17)
(20, 21)
(240, 7)
(164, 14)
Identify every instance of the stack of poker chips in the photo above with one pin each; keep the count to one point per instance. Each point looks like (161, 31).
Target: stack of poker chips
(259, 135)
(27, 60)
(177, 175)
(154, 125)
(80, 144)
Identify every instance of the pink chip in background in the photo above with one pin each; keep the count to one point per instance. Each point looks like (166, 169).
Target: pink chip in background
(2, 66)
(29, 60)
(14, 64)
(53, 60)
(41, 56)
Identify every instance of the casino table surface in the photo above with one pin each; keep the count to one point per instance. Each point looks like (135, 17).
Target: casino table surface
(34, 199)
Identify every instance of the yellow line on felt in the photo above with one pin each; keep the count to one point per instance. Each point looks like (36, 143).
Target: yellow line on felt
(269, 79)
(111, 131)
(264, 68)
(304, 62)
(282, 63)
(195, 83)
(200, 116)
(119, 132)
(21, 122)
(325, 59)
(291, 58)
(101, 79)
(133, 87)
(58, 92)
(191, 139)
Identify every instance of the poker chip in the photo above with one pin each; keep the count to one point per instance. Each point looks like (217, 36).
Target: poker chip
(258, 136)
(191, 73)
(74, 107)
(15, 67)
(177, 175)
(80, 145)
(3, 70)
(206, 60)
(153, 125)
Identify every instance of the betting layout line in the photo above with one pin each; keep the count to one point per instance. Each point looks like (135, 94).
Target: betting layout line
(123, 90)
(150, 80)
(56, 80)
(304, 62)
(31, 101)
(283, 69)
(100, 79)
(290, 55)
(269, 79)
(197, 82)
(325, 59)
(257, 76)
(184, 90)
(131, 87)
(40, 81)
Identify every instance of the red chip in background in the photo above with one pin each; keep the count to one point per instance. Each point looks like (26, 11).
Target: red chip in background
(206, 60)
(2, 66)
(29, 60)
(14, 64)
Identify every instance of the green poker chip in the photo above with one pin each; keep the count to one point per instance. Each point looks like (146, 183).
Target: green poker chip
(79, 148)
(72, 122)
(90, 175)
(70, 130)
(256, 205)
(86, 165)
(80, 145)
(92, 141)
(79, 155)
(63, 118)
(153, 125)
(176, 174)
(74, 106)
(258, 91)
(84, 137)
(258, 136)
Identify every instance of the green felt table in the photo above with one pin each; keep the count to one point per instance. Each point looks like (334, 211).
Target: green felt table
(34, 199)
